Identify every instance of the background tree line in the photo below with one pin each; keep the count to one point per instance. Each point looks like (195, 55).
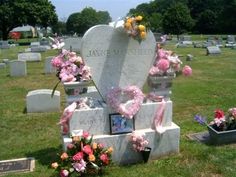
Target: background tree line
(165, 16)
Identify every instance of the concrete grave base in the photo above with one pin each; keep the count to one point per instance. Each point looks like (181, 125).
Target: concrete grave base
(161, 144)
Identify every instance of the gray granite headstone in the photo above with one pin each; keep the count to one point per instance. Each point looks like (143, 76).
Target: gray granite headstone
(18, 68)
(213, 50)
(4, 45)
(48, 68)
(35, 44)
(73, 43)
(29, 56)
(117, 60)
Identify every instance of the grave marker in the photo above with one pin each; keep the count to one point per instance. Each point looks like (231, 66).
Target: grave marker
(18, 68)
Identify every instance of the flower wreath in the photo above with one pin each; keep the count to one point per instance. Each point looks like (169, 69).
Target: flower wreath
(133, 93)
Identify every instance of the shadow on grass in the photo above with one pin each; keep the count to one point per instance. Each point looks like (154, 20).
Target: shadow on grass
(45, 156)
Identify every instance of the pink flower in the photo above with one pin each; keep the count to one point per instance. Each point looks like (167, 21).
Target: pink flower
(81, 166)
(233, 112)
(85, 134)
(57, 62)
(163, 64)
(100, 145)
(154, 70)
(70, 146)
(64, 173)
(187, 70)
(104, 158)
(78, 156)
(87, 149)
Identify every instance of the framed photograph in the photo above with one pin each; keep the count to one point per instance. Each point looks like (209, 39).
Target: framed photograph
(119, 124)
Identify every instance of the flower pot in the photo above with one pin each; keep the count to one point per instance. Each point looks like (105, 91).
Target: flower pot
(221, 137)
(74, 90)
(146, 153)
(161, 85)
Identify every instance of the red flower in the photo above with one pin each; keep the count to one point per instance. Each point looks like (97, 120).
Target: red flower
(219, 114)
(87, 149)
(104, 159)
(78, 156)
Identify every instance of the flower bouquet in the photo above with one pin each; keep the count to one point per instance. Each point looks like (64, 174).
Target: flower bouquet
(222, 129)
(139, 143)
(83, 156)
(136, 27)
(70, 68)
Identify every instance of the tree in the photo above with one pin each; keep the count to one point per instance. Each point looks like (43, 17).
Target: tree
(207, 22)
(20, 12)
(177, 19)
(59, 28)
(80, 22)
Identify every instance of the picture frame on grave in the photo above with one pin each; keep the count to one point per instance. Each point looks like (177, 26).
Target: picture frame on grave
(120, 124)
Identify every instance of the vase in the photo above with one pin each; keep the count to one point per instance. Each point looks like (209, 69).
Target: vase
(146, 153)
(221, 137)
(161, 85)
(75, 90)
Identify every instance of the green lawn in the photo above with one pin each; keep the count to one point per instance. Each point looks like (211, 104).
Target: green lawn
(37, 135)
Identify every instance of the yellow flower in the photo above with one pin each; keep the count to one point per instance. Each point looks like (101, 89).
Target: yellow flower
(141, 27)
(91, 158)
(95, 146)
(128, 25)
(130, 20)
(143, 35)
(54, 165)
(110, 150)
(64, 156)
(138, 18)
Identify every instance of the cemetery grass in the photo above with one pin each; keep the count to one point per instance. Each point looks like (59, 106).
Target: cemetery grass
(37, 135)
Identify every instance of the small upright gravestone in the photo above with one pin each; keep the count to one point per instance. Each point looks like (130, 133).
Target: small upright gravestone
(41, 101)
(18, 68)
(213, 50)
(4, 45)
(48, 68)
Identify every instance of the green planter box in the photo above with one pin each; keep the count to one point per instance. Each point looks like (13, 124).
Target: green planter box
(223, 137)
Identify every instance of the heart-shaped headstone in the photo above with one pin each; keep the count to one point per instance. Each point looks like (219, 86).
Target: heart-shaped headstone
(117, 60)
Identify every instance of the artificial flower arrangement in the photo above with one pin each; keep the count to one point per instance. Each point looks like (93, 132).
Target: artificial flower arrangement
(221, 121)
(167, 63)
(70, 68)
(138, 140)
(83, 156)
(136, 27)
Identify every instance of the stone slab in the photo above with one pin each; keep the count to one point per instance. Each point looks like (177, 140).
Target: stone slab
(111, 52)
(48, 68)
(96, 121)
(164, 144)
(35, 44)
(38, 49)
(213, 50)
(41, 101)
(29, 56)
(18, 68)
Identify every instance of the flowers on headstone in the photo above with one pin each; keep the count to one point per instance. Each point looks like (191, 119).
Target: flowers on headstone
(139, 142)
(167, 64)
(83, 156)
(221, 121)
(136, 27)
(131, 107)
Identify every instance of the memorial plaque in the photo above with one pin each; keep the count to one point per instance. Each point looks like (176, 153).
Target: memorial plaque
(17, 165)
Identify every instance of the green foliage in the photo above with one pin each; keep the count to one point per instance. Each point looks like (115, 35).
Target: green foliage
(17, 13)
(80, 22)
(177, 19)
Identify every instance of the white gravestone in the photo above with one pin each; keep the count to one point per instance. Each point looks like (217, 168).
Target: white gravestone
(34, 44)
(41, 101)
(18, 68)
(117, 60)
(48, 68)
(29, 56)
